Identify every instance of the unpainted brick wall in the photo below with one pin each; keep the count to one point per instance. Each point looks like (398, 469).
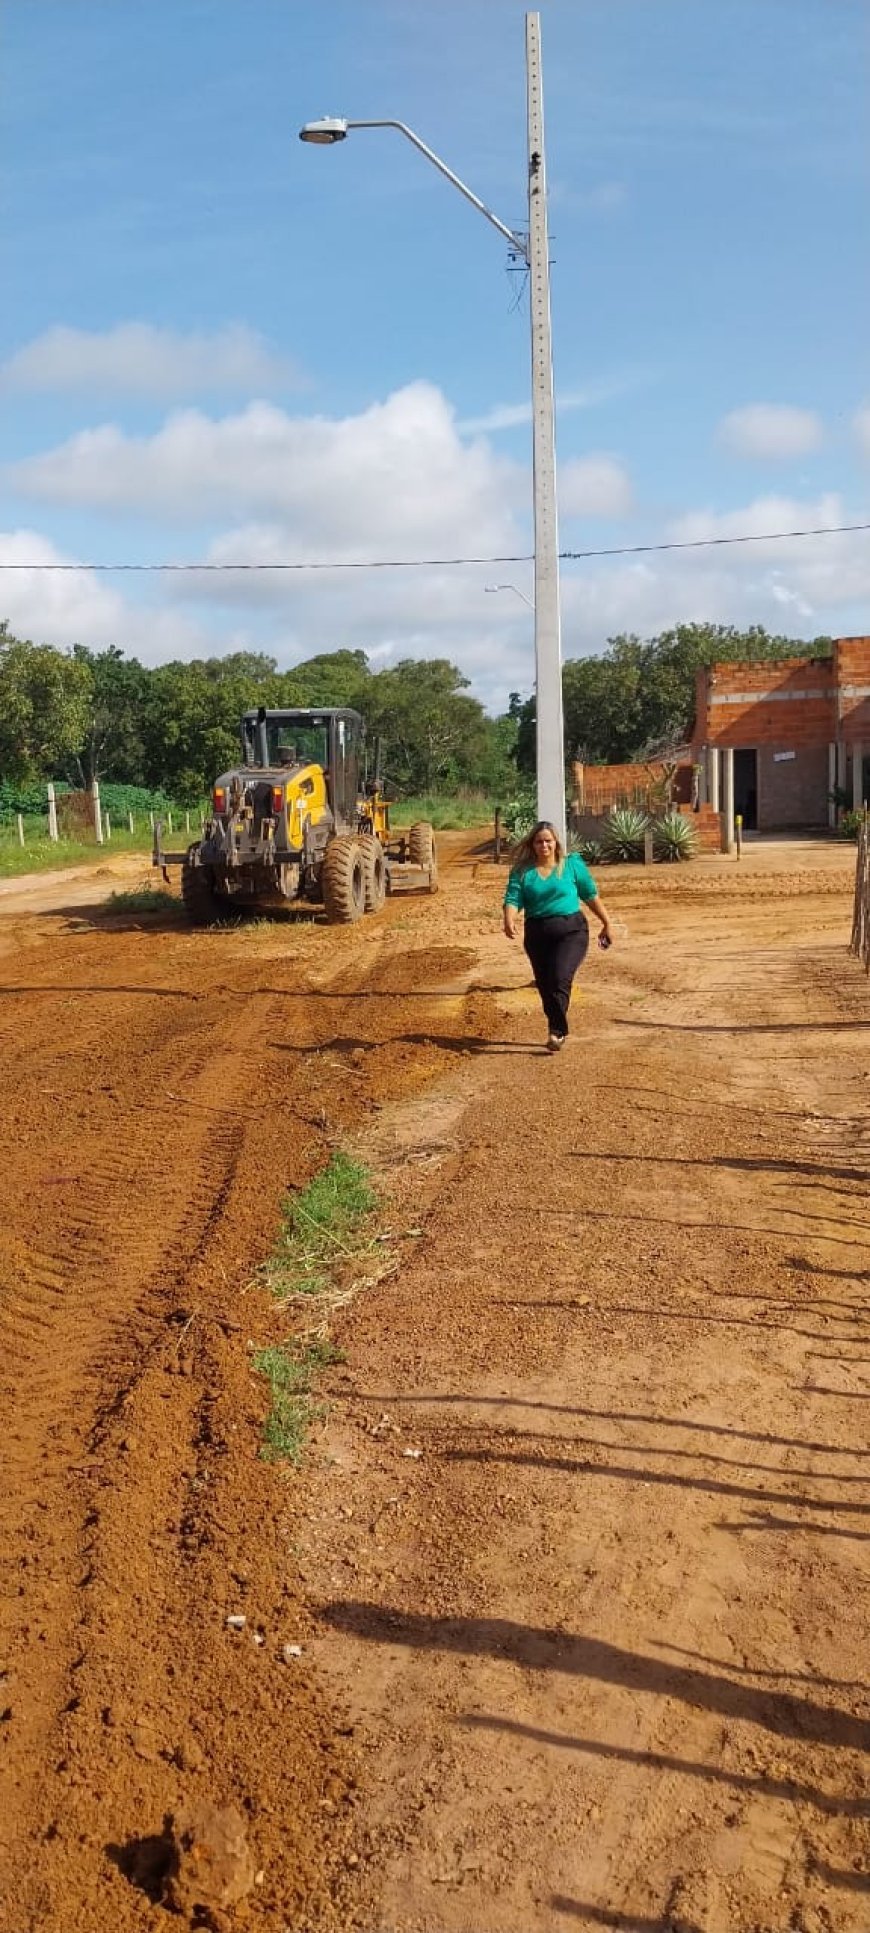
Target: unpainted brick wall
(852, 666)
(738, 709)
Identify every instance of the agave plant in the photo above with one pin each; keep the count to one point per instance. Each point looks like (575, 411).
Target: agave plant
(623, 832)
(674, 837)
(591, 850)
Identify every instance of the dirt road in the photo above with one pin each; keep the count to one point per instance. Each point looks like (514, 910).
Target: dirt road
(592, 1655)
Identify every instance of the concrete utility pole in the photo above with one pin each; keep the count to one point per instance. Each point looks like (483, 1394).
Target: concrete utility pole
(550, 734)
(535, 253)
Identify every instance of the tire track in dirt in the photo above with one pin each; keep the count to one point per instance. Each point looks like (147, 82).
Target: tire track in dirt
(160, 1139)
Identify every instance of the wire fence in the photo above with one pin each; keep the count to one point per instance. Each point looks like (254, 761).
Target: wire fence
(860, 942)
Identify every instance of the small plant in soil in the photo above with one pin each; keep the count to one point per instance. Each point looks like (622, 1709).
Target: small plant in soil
(319, 1226)
(290, 1370)
(322, 1229)
(146, 899)
(674, 837)
(590, 850)
(623, 833)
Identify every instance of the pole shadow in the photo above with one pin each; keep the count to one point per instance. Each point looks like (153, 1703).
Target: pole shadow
(539, 1648)
(791, 1791)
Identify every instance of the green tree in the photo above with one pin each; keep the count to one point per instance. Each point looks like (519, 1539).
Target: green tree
(333, 678)
(434, 736)
(191, 717)
(44, 695)
(638, 696)
(111, 744)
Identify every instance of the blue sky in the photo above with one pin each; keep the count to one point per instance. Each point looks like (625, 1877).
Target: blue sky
(218, 343)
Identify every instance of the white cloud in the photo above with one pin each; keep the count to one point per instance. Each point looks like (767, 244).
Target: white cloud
(66, 607)
(137, 359)
(861, 427)
(594, 486)
(509, 416)
(770, 432)
(805, 586)
(394, 481)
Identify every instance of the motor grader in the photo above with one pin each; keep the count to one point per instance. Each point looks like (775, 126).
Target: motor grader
(297, 821)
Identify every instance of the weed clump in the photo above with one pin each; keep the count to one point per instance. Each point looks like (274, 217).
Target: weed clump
(290, 1373)
(318, 1227)
(321, 1229)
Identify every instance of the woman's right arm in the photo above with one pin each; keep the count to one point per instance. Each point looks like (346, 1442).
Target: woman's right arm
(512, 903)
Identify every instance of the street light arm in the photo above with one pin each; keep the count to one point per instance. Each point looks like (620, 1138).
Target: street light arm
(517, 242)
(511, 587)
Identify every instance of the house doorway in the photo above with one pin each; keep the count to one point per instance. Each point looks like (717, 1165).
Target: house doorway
(746, 789)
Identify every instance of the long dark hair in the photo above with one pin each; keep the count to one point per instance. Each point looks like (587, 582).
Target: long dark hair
(524, 853)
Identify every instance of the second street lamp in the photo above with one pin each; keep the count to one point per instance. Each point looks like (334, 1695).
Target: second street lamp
(534, 251)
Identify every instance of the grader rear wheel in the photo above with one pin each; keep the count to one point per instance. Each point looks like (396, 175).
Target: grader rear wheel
(343, 880)
(202, 903)
(375, 865)
(421, 851)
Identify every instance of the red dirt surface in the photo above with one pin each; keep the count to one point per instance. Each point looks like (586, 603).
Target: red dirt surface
(578, 1561)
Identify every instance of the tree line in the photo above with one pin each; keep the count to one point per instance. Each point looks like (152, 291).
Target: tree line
(85, 715)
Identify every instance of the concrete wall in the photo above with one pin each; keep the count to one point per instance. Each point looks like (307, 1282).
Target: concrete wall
(792, 792)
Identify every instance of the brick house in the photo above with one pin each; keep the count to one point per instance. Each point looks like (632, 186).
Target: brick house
(775, 739)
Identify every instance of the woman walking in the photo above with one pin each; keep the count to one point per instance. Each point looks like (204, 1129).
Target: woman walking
(551, 888)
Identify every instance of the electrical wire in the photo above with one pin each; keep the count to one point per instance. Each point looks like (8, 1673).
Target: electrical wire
(445, 563)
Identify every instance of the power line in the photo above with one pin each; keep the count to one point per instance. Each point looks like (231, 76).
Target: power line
(446, 563)
(711, 543)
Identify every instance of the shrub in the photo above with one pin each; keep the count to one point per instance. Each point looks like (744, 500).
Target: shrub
(519, 815)
(674, 837)
(589, 849)
(623, 833)
(850, 824)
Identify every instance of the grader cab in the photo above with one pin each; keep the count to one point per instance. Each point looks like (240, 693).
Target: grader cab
(298, 820)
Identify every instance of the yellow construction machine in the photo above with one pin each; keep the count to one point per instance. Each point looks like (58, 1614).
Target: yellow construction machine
(297, 820)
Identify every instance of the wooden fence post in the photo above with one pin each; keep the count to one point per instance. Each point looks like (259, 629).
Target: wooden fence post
(130, 821)
(20, 822)
(860, 941)
(52, 813)
(98, 817)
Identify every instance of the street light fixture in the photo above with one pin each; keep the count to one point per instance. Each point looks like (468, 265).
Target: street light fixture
(534, 251)
(511, 587)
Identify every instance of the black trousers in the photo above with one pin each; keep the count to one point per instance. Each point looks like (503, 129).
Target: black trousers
(556, 948)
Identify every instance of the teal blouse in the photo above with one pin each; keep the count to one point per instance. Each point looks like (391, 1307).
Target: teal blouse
(559, 895)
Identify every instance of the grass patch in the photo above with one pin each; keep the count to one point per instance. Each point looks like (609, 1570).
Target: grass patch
(446, 815)
(290, 1372)
(321, 1229)
(147, 899)
(318, 1228)
(41, 854)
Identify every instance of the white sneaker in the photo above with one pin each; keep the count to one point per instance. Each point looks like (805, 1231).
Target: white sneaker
(554, 1042)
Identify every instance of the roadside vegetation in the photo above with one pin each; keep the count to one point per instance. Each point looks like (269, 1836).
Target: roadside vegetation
(146, 899)
(325, 1233)
(156, 737)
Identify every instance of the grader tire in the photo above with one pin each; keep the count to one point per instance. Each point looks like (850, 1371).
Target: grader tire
(203, 905)
(375, 865)
(421, 851)
(343, 880)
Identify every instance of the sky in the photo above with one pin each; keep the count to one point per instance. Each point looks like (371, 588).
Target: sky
(221, 345)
